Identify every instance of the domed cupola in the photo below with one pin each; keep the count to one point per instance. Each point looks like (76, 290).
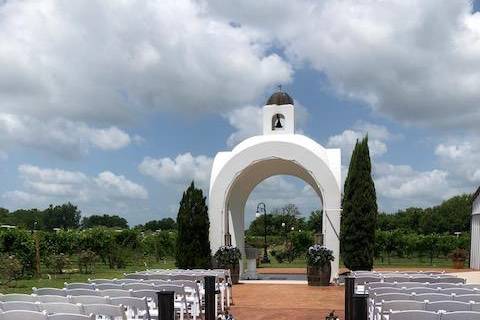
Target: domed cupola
(279, 98)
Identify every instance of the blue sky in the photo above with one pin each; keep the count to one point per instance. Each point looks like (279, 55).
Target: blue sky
(117, 112)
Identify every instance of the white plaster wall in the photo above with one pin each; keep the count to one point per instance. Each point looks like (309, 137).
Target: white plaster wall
(475, 235)
(235, 174)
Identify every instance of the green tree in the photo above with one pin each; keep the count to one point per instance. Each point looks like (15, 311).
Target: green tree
(163, 224)
(359, 214)
(109, 221)
(66, 216)
(315, 221)
(193, 245)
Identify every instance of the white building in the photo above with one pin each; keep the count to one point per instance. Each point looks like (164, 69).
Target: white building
(475, 246)
(279, 151)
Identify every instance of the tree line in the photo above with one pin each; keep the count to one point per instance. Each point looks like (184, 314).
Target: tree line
(67, 216)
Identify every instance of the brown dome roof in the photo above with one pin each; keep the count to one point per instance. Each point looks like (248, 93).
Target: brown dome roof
(279, 98)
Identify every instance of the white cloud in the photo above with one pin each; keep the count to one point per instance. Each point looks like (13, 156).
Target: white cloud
(462, 157)
(97, 61)
(120, 186)
(246, 121)
(278, 191)
(415, 61)
(65, 138)
(179, 171)
(43, 186)
(401, 186)
(377, 137)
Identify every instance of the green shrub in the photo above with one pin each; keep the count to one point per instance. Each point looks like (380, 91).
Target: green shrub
(10, 268)
(58, 263)
(86, 261)
(20, 244)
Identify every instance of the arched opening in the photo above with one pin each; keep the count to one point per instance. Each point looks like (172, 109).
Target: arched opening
(278, 122)
(249, 178)
(282, 213)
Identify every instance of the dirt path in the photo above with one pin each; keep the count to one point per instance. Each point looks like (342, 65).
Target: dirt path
(286, 302)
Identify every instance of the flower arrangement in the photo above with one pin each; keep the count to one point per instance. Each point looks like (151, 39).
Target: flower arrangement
(318, 255)
(227, 256)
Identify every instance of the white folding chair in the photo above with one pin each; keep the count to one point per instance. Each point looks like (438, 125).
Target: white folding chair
(90, 299)
(17, 297)
(79, 285)
(108, 286)
(61, 307)
(49, 292)
(48, 299)
(23, 315)
(413, 315)
(432, 297)
(68, 316)
(114, 293)
(461, 315)
(467, 298)
(448, 306)
(422, 290)
(138, 286)
(19, 305)
(107, 310)
(457, 291)
(81, 292)
(136, 307)
(399, 305)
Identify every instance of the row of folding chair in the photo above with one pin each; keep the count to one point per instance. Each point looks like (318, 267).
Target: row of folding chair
(223, 281)
(377, 300)
(183, 305)
(429, 279)
(34, 315)
(440, 285)
(388, 307)
(428, 315)
(420, 290)
(99, 310)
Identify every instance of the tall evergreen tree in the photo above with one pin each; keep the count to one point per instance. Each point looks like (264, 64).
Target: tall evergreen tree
(359, 215)
(193, 244)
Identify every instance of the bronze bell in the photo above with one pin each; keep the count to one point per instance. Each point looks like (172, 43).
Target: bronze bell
(278, 123)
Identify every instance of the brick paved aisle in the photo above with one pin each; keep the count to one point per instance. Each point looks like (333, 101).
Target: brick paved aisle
(286, 301)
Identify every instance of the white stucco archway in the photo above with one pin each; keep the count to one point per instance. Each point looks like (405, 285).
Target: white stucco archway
(279, 151)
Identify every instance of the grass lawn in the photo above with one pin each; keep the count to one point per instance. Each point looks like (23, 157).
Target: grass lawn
(101, 271)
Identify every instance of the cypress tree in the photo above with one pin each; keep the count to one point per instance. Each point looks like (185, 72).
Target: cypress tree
(359, 215)
(193, 245)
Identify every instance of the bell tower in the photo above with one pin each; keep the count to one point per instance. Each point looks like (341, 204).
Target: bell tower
(279, 114)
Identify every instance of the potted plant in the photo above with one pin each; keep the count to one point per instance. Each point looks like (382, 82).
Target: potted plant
(228, 257)
(458, 257)
(319, 267)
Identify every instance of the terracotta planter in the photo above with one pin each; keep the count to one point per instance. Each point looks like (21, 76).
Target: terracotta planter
(235, 273)
(319, 275)
(458, 264)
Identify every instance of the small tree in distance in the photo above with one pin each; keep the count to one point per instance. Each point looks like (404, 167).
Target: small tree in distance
(359, 215)
(193, 245)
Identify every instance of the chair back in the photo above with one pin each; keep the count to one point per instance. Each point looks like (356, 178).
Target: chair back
(61, 307)
(49, 292)
(82, 292)
(23, 315)
(448, 306)
(17, 297)
(19, 305)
